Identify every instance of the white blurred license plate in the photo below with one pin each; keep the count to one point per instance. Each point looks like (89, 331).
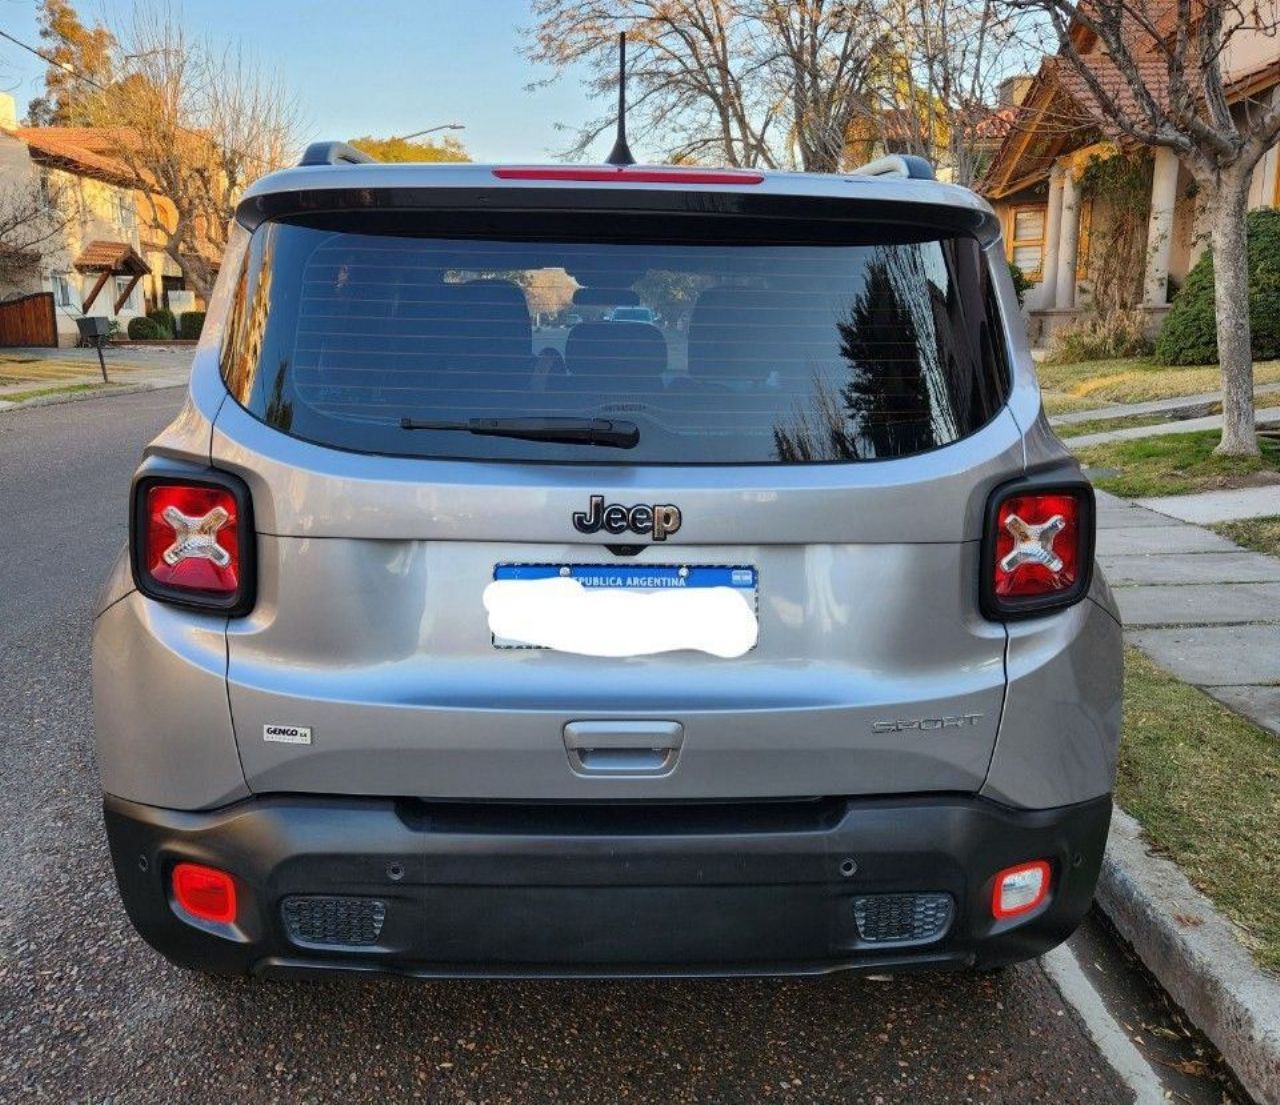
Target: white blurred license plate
(631, 610)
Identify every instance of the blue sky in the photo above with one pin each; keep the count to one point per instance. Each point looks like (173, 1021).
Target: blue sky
(383, 67)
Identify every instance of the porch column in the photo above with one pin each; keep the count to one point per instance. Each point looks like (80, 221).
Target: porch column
(1164, 196)
(1068, 242)
(1052, 228)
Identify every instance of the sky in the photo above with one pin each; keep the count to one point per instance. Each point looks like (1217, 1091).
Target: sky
(381, 67)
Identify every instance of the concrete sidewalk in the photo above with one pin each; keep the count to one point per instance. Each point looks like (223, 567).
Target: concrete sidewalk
(1170, 407)
(1264, 416)
(1203, 608)
(1208, 507)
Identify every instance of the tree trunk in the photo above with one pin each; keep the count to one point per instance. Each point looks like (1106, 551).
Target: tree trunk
(1226, 210)
(195, 271)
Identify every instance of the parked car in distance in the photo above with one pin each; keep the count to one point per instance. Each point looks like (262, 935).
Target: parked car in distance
(769, 644)
(631, 314)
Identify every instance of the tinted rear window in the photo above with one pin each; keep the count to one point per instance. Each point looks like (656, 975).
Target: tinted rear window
(718, 353)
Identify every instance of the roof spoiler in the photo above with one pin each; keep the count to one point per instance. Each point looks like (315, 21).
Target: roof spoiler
(334, 153)
(903, 165)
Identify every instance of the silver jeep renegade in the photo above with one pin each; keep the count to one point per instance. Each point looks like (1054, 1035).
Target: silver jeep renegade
(607, 570)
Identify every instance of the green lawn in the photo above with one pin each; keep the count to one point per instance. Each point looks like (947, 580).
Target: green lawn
(1260, 534)
(1176, 464)
(1084, 385)
(1205, 785)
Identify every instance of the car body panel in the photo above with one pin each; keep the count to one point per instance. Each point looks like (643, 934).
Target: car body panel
(370, 630)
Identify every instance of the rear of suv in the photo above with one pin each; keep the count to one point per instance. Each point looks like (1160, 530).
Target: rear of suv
(759, 634)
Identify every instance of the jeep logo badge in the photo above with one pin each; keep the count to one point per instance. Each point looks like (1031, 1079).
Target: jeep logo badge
(658, 520)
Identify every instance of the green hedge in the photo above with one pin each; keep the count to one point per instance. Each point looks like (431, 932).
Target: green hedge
(190, 324)
(146, 329)
(163, 317)
(1189, 334)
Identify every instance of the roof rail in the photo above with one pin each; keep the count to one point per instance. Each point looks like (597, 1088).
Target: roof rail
(897, 164)
(334, 153)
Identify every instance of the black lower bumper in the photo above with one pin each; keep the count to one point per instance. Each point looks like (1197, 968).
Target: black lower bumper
(504, 890)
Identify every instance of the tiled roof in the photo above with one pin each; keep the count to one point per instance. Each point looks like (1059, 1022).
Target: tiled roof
(997, 125)
(1152, 71)
(111, 257)
(66, 146)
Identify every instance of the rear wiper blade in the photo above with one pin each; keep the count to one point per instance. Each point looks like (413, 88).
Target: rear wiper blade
(612, 432)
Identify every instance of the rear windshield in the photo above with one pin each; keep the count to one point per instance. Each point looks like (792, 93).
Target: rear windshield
(716, 353)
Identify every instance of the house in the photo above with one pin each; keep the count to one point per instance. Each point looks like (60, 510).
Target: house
(106, 258)
(1068, 240)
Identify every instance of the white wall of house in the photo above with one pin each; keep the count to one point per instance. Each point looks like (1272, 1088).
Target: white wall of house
(1246, 50)
(17, 177)
(98, 211)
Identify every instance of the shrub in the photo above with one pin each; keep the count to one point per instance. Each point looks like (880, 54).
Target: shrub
(1189, 334)
(163, 317)
(1021, 285)
(190, 324)
(1101, 338)
(145, 329)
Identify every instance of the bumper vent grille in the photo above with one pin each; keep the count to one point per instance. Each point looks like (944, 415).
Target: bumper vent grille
(903, 918)
(317, 921)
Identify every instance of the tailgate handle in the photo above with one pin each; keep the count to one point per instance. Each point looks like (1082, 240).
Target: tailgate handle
(623, 747)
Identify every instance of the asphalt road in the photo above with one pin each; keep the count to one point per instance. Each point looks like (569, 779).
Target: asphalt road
(88, 1013)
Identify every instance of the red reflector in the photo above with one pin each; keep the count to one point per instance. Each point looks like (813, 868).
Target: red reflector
(205, 892)
(624, 175)
(1019, 889)
(1037, 548)
(192, 538)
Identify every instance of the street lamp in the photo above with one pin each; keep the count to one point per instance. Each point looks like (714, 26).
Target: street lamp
(430, 130)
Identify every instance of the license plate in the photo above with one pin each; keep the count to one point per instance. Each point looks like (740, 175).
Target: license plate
(716, 614)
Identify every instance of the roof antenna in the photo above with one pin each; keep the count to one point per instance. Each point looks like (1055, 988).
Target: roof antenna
(621, 152)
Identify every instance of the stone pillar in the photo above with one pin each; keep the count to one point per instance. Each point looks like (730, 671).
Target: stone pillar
(1064, 297)
(1052, 228)
(1164, 196)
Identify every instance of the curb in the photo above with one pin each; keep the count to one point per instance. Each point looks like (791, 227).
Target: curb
(95, 393)
(1194, 953)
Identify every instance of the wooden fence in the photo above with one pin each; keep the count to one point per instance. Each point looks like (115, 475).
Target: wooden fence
(29, 321)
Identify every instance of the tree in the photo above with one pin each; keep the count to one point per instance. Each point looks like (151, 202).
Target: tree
(747, 82)
(194, 125)
(1159, 78)
(33, 212)
(398, 149)
(76, 52)
(942, 66)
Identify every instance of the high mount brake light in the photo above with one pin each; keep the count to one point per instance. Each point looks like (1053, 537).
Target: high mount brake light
(192, 541)
(1038, 548)
(627, 175)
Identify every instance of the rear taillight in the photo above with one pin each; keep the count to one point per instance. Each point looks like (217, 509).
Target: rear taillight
(192, 541)
(1038, 550)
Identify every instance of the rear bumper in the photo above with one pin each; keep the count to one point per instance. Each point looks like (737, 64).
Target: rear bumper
(502, 890)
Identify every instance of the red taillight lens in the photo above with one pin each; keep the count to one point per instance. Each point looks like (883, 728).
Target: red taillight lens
(193, 538)
(1020, 889)
(205, 892)
(1037, 544)
(1039, 550)
(192, 541)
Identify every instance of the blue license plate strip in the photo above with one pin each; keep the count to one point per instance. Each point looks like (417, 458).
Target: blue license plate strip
(638, 577)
